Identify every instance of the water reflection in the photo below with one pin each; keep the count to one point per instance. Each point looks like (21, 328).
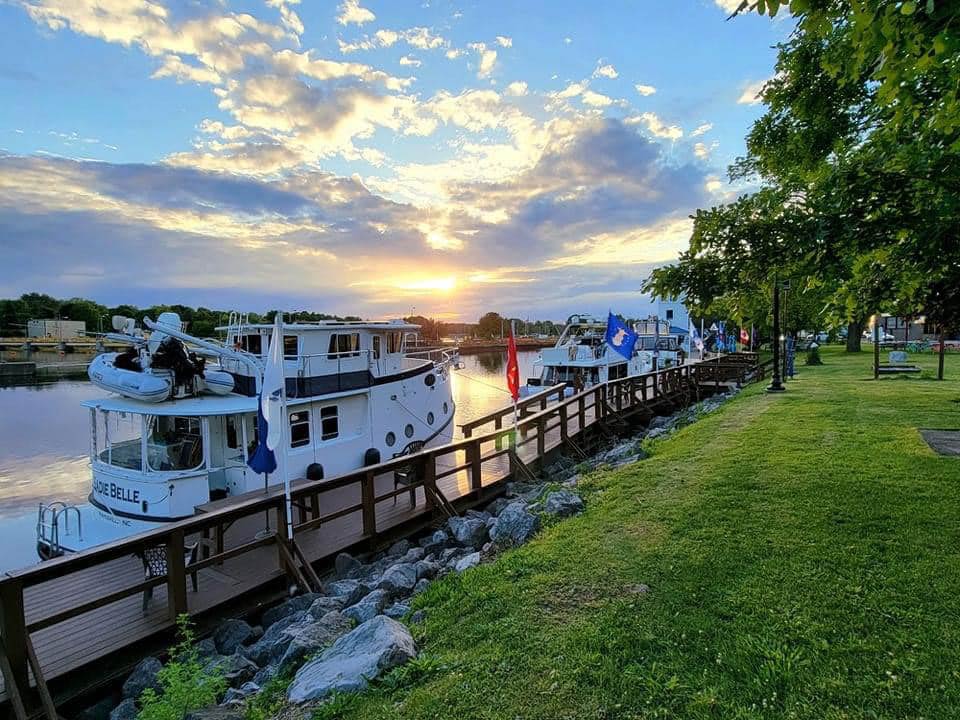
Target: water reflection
(44, 452)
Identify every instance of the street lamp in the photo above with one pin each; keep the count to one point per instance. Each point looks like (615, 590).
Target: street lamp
(776, 384)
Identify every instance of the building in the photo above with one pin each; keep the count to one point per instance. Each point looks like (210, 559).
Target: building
(907, 329)
(59, 329)
(675, 313)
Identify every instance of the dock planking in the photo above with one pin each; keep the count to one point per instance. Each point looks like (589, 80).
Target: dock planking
(84, 610)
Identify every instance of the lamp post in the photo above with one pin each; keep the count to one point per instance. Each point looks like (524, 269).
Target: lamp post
(776, 384)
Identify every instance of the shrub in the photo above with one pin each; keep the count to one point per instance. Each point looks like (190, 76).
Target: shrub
(813, 356)
(185, 684)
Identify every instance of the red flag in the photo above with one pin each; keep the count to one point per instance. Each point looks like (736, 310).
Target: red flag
(513, 367)
(744, 337)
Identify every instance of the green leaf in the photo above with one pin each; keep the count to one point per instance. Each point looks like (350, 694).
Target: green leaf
(930, 4)
(761, 6)
(908, 8)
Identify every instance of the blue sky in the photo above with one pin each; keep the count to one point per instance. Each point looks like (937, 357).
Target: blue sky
(535, 158)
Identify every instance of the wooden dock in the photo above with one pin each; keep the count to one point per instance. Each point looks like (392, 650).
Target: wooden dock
(76, 623)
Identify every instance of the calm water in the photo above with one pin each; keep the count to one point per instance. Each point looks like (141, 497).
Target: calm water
(44, 443)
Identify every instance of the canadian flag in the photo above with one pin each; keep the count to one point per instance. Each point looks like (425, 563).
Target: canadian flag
(513, 367)
(744, 337)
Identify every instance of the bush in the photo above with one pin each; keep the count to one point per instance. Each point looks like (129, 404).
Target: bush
(813, 356)
(185, 685)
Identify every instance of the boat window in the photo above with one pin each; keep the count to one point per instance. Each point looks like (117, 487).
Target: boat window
(376, 347)
(290, 347)
(394, 342)
(174, 443)
(329, 423)
(119, 440)
(299, 428)
(233, 441)
(253, 344)
(669, 314)
(344, 345)
(408, 430)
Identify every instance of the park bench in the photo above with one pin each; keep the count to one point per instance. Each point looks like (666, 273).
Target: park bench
(897, 363)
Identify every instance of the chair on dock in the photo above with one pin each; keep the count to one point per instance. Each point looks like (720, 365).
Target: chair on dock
(154, 561)
(407, 474)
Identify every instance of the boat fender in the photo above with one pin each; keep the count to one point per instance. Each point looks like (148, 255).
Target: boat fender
(371, 457)
(314, 471)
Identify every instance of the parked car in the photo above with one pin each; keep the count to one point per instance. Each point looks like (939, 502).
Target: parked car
(885, 337)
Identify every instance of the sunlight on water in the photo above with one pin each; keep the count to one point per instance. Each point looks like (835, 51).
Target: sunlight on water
(46, 435)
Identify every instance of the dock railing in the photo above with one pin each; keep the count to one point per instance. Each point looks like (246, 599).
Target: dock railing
(25, 595)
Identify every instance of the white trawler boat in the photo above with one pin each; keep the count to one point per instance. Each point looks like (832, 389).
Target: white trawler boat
(581, 352)
(178, 432)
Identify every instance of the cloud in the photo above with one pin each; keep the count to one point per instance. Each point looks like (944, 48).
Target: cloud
(751, 93)
(517, 88)
(701, 129)
(488, 59)
(421, 38)
(567, 40)
(594, 99)
(406, 60)
(607, 71)
(729, 6)
(352, 13)
(701, 151)
(503, 41)
(645, 90)
(656, 126)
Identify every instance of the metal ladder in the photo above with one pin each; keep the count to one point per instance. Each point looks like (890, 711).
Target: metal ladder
(51, 518)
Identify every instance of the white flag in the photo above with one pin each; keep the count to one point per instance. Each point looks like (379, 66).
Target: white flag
(271, 394)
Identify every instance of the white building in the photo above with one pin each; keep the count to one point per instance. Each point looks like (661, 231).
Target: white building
(59, 329)
(673, 311)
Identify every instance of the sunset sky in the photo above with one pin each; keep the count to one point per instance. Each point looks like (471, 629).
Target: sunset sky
(536, 157)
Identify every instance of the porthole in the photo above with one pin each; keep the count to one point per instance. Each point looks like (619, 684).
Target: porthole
(391, 439)
(408, 430)
(446, 408)
(429, 418)
(430, 380)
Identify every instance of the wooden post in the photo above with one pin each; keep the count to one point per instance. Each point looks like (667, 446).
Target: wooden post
(563, 423)
(429, 476)
(476, 467)
(943, 349)
(14, 632)
(369, 511)
(467, 431)
(582, 412)
(176, 575)
(498, 425)
(541, 437)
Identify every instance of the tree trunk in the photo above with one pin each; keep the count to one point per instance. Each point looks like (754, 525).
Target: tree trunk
(854, 328)
(943, 349)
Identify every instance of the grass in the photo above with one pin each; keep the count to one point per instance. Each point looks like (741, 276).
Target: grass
(802, 554)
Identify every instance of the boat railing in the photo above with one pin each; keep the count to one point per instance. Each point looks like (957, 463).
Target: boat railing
(440, 356)
(49, 518)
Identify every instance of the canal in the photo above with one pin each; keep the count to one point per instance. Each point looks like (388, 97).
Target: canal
(45, 443)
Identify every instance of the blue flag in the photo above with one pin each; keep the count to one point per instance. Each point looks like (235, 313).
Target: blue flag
(263, 460)
(620, 337)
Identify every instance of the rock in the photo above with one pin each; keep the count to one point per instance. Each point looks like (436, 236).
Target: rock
(400, 547)
(571, 482)
(235, 669)
(274, 641)
(451, 554)
(468, 531)
(478, 515)
(435, 541)
(563, 503)
(322, 605)
(657, 432)
(266, 675)
(362, 655)
(346, 565)
(126, 710)
(427, 569)
(421, 585)
(309, 637)
(368, 607)
(486, 549)
(236, 695)
(234, 711)
(414, 555)
(294, 604)
(465, 563)
(350, 591)
(397, 610)
(399, 578)
(232, 634)
(144, 676)
(497, 506)
(514, 526)
(418, 617)
(206, 648)
(660, 421)
(98, 711)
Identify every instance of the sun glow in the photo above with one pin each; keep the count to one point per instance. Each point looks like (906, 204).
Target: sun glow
(440, 284)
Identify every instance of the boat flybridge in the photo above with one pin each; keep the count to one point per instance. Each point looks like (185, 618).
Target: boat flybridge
(181, 424)
(582, 353)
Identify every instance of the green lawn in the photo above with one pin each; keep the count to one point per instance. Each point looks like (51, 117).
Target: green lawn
(803, 557)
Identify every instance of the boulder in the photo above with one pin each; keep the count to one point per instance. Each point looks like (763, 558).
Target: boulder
(400, 547)
(266, 675)
(399, 578)
(237, 695)
(657, 432)
(414, 555)
(397, 610)
(362, 655)
(563, 503)
(350, 591)
(206, 648)
(368, 607)
(274, 641)
(235, 669)
(497, 506)
(421, 585)
(514, 526)
(126, 710)
(144, 676)
(418, 617)
(427, 569)
(660, 421)
(230, 635)
(322, 605)
(468, 531)
(284, 609)
(346, 565)
(467, 562)
(482, 515)
(452, 554)
(433, 542)
(309, 637)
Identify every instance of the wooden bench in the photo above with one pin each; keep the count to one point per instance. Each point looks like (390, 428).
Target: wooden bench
(896, 363)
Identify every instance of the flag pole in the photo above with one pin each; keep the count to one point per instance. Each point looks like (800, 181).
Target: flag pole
(283, 423)
(515, 413)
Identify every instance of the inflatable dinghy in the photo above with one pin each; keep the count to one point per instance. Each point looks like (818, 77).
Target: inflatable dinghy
(152, 385)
